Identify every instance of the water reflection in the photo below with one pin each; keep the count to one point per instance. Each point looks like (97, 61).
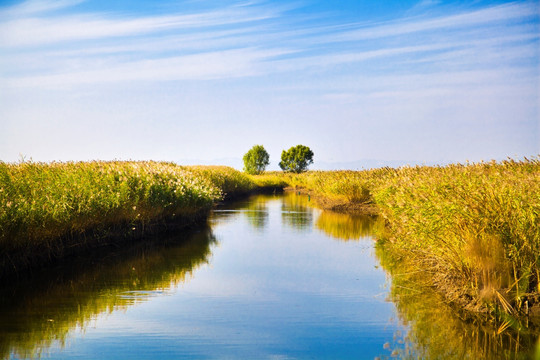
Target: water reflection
(436, 329)
(348, 227)
(36, 313)
(299, 294)
(296, 212)
(255, 210)
(439, 331)
(257, 214)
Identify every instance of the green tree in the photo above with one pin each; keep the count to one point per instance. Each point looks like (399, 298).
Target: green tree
(296, 159)
(256, 160)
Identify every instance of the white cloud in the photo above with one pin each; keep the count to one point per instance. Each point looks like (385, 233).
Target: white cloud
(257, 61)
(506, 12)
(32, 7)
(36, 31)
(189, 46)
(202, 66)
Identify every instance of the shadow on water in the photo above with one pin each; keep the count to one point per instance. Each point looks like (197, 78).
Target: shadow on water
(40, 312)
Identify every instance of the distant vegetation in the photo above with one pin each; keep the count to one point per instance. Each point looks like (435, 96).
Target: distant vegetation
(296, 159)
(256, 160)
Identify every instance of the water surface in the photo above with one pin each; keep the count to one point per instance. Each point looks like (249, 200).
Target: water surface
(270, 277)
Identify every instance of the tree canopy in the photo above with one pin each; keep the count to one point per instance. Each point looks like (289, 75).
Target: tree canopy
(296, 159)
(256, 160)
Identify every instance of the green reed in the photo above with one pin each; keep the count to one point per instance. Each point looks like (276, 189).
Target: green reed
(231, 182)
(49, 209)
(42, 201)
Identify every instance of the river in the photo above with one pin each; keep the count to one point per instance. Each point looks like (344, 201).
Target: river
(270, 277)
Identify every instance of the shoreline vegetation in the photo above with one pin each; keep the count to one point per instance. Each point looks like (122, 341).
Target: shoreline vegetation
(471, 230)
(49, 211)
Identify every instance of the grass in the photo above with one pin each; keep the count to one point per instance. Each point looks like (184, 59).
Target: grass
(473, 228)
(271, 180)
(47, 210)
(230, 182)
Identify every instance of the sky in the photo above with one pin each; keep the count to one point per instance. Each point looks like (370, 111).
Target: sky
(362, 83)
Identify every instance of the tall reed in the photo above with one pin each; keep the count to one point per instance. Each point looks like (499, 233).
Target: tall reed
(474, 228)
(40, 201)
(50, 209)
(229, 181)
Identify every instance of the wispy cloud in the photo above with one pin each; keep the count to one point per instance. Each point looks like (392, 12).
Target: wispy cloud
(475, 18)
(22, 32)
(44, 48)
(202, 66)
(32, 7)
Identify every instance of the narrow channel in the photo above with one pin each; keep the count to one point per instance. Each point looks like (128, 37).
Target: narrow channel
(269, 277)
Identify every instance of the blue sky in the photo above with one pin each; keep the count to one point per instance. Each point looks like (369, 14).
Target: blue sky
(396, 82)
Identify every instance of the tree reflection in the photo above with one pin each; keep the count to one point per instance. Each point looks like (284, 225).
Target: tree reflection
(257, 212)
(254, 209)
(39, 312)
(296, 212)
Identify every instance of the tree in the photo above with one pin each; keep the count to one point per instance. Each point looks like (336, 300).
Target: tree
(296, 159)
(256, 160)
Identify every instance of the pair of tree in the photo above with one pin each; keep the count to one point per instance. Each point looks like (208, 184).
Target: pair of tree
(296, 159)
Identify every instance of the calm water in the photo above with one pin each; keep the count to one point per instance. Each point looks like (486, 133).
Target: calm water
(270, 277)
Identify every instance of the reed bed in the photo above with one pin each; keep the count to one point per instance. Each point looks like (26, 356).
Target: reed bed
(271, 180)
(473, 229)
(47, 209)
(230, 182)
(42, 201)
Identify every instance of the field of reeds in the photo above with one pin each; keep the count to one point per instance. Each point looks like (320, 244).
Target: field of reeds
(49, 209)
(472, 229)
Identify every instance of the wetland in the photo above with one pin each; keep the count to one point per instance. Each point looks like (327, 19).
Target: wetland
(269, 276)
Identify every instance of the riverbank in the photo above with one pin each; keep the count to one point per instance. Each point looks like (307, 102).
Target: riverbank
(472, 229)
(51, 211)
(262, 236)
